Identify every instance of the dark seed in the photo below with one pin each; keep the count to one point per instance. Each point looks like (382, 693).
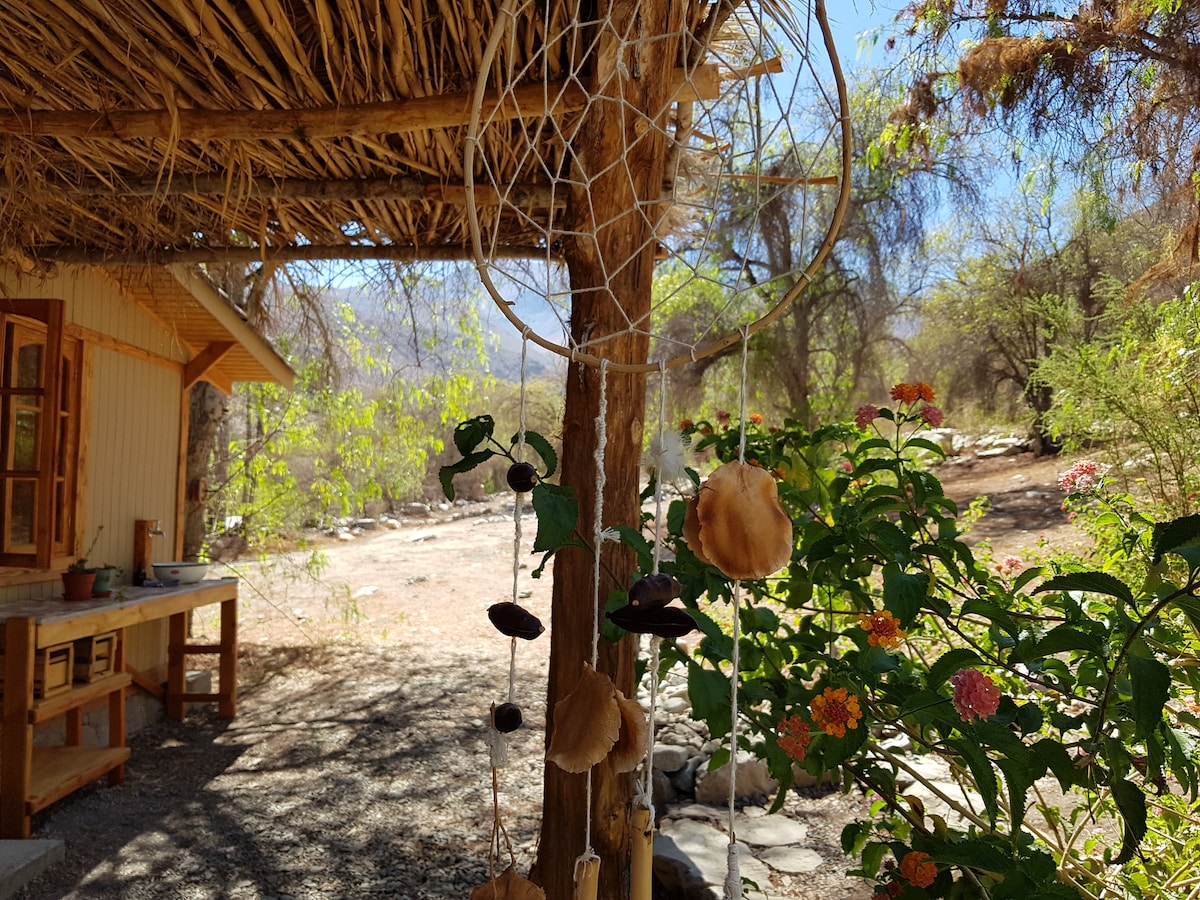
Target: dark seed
(506, 717)
(521, 477)
(515, 621)
(654, 590)
(663, 621)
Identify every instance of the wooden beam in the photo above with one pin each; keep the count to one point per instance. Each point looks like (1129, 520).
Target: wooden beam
(345, 189)
(386, 117)
(198, 367)
(102, 256)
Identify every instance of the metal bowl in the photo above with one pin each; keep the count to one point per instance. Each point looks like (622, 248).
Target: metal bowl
(183, 572)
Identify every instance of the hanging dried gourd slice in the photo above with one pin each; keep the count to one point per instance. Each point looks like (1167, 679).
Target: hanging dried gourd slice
(691, 530)
(508, 886)
(743, 529)
(587, 722)
(630, 747)
(654, 590)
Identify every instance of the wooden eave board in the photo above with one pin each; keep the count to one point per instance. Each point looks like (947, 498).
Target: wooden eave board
(198, 316)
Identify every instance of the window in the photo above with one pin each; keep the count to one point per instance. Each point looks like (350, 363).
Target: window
(39, 434)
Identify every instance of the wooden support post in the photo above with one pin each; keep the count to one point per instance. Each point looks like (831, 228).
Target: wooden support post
(227, 670)
(611, 266)
(176, 664)
(116, 711)
(16, 758)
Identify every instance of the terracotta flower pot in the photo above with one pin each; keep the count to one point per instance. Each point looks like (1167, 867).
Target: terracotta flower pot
(78, 585)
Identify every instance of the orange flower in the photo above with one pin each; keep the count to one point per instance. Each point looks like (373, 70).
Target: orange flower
(793, 737)
(835, 711)
(906, 393)
(925, 392)
(755, 418)
(918, 868)
(883, 629)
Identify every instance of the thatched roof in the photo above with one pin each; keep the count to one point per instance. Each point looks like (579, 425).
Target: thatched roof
(190, 130)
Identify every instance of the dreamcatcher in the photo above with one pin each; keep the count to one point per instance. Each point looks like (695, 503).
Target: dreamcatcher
(705, 146)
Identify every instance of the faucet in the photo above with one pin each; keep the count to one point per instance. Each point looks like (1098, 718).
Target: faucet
(144, 532)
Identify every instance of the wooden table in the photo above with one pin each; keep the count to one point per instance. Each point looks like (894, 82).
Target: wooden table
(31, 778)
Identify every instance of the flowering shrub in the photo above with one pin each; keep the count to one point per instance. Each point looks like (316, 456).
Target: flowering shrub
(885, 632)
(884, 636)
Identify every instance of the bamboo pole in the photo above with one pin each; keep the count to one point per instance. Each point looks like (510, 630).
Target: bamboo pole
(641, 866)
(291, 253)
(587, 879)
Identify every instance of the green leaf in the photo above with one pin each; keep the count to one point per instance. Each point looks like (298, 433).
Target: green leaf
(1058, 640)
(924, 444)
(948, 664)
(542, 447)
(1089, 582)
(1151, 682)
(904, 593)
(974, 854)
(1131, 803)
(983, 773)
(709, 692)
(557, 514)
(993, 613)
(1172, 535)
(466, 464)
(1057, 760)
(470, 434)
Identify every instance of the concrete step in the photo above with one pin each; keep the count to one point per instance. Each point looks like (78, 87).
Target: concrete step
(22, 861)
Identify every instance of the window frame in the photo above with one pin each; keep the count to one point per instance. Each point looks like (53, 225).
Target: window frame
(56, 504)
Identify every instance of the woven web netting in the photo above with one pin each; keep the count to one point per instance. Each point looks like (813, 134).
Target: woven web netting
(716, 147)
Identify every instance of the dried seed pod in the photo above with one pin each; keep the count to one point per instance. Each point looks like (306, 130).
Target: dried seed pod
(508, 886)
(515, 621)
(742, 526)
(663, 621)
(630, 747)
(587, 722)
(691, 530)
(654, 590)
(506, 717)
(521, 477)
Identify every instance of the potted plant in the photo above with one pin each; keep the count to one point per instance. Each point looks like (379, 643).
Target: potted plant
(105, 576)
(78, 579)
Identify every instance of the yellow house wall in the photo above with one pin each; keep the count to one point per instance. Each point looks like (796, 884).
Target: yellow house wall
(131, 433)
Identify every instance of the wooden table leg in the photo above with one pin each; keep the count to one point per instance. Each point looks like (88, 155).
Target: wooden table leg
(116, 710)
(227, 672)
(176, 664)
(16, 757)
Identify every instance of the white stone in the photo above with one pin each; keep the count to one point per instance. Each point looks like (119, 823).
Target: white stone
(771, 831)
(792, 860)
(704, 848)
(669, 758)
(753, 780)
(676, 705)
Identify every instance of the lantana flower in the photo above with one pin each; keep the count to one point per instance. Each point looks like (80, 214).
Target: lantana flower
(883, 629)
(1086, 475)
(1009, 566)
(918, 868)
(906, 393)
(866, 415)
(793, 737)
(755, 418)
(835, 710)
(975, 694)
(931, 416)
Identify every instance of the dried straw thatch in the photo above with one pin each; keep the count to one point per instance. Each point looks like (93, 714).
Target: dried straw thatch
(137, 131)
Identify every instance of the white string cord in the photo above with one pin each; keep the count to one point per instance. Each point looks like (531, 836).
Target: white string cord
(597, 542)
(733, 878)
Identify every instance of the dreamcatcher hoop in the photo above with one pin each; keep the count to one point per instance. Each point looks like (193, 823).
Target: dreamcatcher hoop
(544, 106)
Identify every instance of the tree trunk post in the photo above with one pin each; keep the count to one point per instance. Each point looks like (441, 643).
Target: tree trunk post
(610, 257)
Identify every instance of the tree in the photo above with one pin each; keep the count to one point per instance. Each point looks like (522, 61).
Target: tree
(1109, 86)
(1033, 287)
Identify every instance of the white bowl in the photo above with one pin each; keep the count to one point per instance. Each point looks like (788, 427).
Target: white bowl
(183, 572)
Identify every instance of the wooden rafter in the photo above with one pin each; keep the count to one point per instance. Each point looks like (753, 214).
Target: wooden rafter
(344, 189)
(386, 117)
(202, 362)
(291, 253)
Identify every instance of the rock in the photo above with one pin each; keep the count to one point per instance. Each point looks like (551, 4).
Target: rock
(793, 860)
(684, 781)
(753, 781)
(702, 848)
(662, 792)
(677, 705)
(669, 759)
(771, 831)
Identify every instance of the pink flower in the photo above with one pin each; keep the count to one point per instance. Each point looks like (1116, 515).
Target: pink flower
(722, 416)
(975, 694)
(865, 415)
(931, 415)
(1010, 565)
(1086, 475)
